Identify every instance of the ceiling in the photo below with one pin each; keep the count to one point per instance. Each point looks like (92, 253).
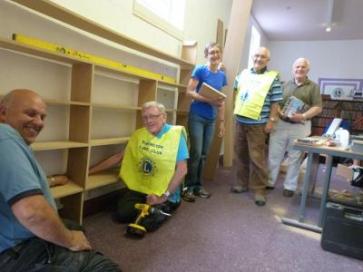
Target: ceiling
(294, 20)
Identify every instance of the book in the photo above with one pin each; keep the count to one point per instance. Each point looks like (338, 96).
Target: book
(312, 141)
(293, 105)
(210, 92)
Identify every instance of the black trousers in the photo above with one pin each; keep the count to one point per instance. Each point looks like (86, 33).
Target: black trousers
(127, 213)
(41, 256)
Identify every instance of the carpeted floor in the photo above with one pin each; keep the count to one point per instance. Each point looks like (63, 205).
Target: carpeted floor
(227, 232)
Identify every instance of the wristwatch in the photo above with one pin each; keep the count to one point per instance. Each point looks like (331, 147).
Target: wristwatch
(166, 194)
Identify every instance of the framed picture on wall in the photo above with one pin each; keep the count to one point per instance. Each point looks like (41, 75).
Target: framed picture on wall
(340, 88)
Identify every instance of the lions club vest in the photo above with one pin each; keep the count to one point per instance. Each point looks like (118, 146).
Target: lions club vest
(252, 91)
(149, 162)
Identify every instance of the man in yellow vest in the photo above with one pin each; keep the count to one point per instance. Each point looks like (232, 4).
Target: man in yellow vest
(153, 167)
(258, 92)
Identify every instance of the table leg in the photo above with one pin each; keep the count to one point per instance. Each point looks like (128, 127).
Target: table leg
(324, 197)
(299, 223)
(305, 190)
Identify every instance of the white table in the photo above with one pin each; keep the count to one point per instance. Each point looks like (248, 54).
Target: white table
(312, 151)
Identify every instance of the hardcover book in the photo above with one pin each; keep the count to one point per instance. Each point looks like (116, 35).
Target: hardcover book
(293, 105)
(210, 92)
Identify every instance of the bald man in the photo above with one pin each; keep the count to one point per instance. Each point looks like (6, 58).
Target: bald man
(258, 91)
(294, 126)
(31, 231)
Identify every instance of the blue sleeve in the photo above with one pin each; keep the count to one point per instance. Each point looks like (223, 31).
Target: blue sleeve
(197, 72)
(183, 153)
(16, 172)
(276, 90)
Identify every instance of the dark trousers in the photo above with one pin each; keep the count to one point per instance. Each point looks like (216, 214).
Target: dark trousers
(127, 213)
(38, 255)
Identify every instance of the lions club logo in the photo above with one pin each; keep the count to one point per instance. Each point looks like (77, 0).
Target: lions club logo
(147, 166)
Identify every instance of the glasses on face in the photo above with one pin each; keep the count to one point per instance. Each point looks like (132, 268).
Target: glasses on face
(214, 52)
(260, 56)
(151, 117)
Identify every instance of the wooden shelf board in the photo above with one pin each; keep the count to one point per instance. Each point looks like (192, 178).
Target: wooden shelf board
(102, 68)
(173, 84)
(64, 15)
(109, 141)
(102, 179)
(118, 107)
(40, 146)
(14, 46)
(65, 190)
(64, 102)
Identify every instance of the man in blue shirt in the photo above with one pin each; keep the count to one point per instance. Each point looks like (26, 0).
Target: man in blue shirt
(156, 182)
(31, 231)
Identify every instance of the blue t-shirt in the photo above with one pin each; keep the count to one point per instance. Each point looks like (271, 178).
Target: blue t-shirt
(20, 176)
(181, 156)
(217, 80)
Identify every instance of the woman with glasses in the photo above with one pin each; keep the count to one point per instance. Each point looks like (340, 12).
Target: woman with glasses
(202, 118)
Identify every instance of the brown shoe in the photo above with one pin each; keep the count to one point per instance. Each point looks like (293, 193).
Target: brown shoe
(237, 189)
(260, 200)
(287, 193)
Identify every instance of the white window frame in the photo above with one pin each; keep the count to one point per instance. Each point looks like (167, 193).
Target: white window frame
(150, 15)
(255, 43)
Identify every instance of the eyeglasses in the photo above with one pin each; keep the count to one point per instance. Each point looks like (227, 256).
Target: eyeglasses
(151, 117)
(260, 56)
(214, 52)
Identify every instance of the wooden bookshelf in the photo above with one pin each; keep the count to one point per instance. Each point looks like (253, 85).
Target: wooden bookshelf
(351, 111)
(91, 126)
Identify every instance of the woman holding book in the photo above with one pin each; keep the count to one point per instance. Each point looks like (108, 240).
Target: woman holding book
(204, 111)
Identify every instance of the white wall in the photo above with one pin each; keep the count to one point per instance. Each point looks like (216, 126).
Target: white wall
(335, 59)
(117, 15)
(201, 21)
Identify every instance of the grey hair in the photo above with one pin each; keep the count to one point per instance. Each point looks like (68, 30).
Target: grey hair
(154, 104)
(304, 60)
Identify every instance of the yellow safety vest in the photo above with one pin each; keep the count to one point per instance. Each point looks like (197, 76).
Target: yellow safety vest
(149, 162)
(252, 91)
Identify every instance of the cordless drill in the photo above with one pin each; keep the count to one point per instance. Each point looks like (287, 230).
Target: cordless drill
(136, 229)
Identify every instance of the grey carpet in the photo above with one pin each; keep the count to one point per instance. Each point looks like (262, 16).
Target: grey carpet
(227, 232)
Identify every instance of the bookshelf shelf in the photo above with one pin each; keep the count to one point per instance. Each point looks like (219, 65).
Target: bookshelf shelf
(42, 146)
(351, 111)
(102, 179)
(66, 190)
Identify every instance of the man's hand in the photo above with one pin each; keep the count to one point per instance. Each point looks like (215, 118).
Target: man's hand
(154, 199)
(79, 241)
(269, 127)
(297, 118)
